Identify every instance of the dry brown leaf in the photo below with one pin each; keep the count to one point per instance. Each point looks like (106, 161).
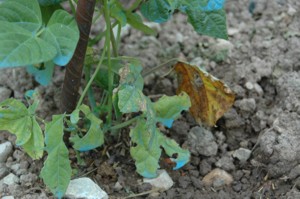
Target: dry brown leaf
(210, 97)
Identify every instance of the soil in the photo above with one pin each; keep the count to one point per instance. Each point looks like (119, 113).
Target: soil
(261, 63)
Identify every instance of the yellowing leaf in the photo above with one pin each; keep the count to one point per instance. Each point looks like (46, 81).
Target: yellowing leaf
(210, 97)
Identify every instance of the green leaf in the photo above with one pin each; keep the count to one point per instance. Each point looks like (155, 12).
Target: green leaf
(136, 22)
(74, 118)
(20, 47)
(211, 23)
(56, 172)
(42, 76)
(131, 99)
(173, 149)
(34, 147)
(24, 14)
(169, 108)
(117, 12)
(94, 137)
(131, 75)
(18, 120)
(62, 32)
(158, 11)
(15, 118)
(25, 41)
(145, 149)
(49, 2)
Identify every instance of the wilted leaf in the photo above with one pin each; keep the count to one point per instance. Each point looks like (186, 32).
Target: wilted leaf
(145, 149)
(94, 137)
(210, 97)
(168, 108)
(179, 156)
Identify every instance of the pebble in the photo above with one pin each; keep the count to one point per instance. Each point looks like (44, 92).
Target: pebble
(202, 142)
(4, 93)
(10, 179)
(3, 171)
(226, 163)
(217, 178)
(162, 181)
(5, 150)
(85, 188)
(242, 154)
(8, 197)
(247, 105)
(249, 85)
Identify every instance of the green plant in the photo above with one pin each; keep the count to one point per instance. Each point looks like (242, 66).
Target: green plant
(40, 35)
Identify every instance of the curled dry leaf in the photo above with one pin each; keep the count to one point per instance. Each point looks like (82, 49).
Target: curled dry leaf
(210, 97)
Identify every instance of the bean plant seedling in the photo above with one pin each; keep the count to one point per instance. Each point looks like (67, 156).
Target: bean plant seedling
(40, 35)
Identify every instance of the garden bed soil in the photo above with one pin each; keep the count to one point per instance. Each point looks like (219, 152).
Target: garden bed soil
(260, 62)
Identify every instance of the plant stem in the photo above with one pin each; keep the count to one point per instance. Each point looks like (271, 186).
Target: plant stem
(159, 67)
(110, 72)
(91, 79)
(90, 93)
(72, 81)
(124, 124)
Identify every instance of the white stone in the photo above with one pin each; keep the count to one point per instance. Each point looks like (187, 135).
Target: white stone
(249, 85)
(5, 150)
(242, 154)
(85, 188)
(163, 181)
(8, 197)
(10, 179)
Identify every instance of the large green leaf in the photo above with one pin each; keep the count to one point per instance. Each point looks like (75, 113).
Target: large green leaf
(62, 32)
(25, 14)
(19, 47)
(145, 149)
(158, 10)
(169, 108)
(206, 16)
(211, 23)
(24, 39)
(56, 172)
(94, 137)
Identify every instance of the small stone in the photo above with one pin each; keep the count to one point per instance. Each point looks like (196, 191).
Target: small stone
(249, 85)
(232, 31)
(242, 154)
(4, 93)
(5, 150)
(247, 105)
(291, 11)
(258, 89)
(226, 163)
(28, 179)
(295, 172)
(3, 171)
(218, 178)
(202, 142)
(85, 188)
(8, 197)
(162, 181)
(118, 186)
(18, 155)
(15, 167)
(10, 179)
